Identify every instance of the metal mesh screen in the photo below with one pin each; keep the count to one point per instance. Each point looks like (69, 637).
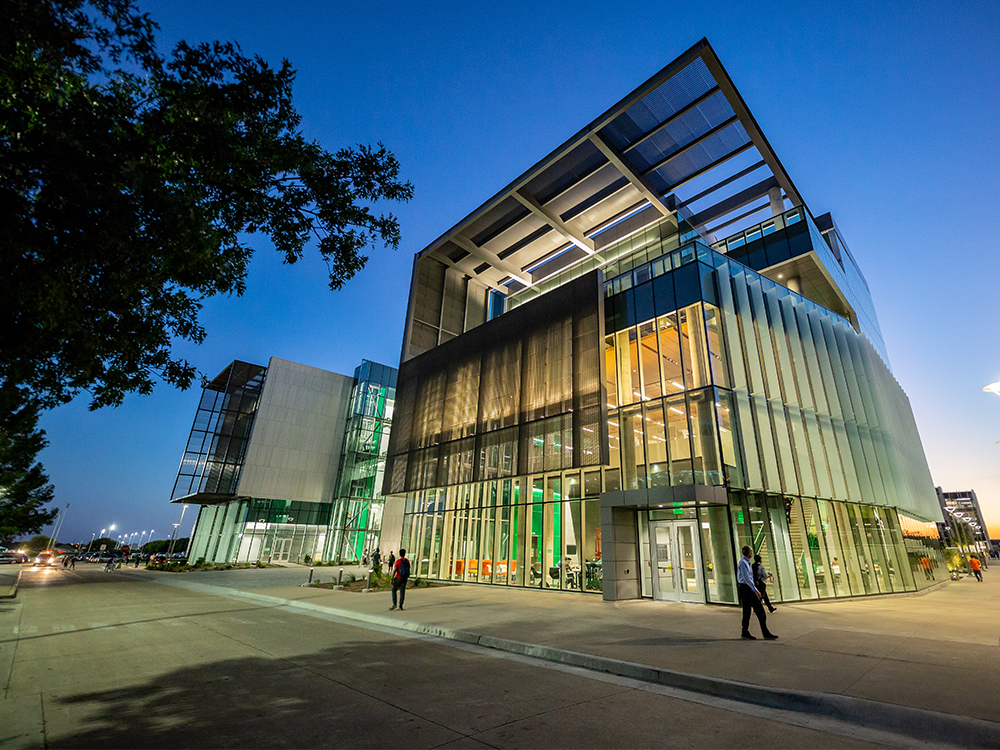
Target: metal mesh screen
(519, 394)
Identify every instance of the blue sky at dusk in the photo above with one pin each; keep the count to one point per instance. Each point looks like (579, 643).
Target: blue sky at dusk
(885, 114)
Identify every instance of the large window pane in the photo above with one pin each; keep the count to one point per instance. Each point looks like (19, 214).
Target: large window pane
(817, 548)
(649, 360)
(717, 554)
(611, 371)
(828, 530)
(725, 414)
(704, 440)
(612, 476)
(656, 442)
(572, 568)
(678, 441)
(805, 573)
(670, 354)
(633, 453)
(716, 352)
(593, 573)
(695, 348)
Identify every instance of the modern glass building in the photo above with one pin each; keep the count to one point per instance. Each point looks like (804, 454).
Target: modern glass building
(644, 353)
(285, 461)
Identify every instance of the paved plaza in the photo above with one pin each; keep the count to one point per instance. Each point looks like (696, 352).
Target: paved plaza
(250, 658)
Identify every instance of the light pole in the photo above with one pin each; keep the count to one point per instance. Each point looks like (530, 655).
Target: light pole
(92, 539)
(176, 528)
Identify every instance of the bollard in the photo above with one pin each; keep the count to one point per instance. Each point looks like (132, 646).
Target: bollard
(310, 575)
(368, 585)
(340, 580)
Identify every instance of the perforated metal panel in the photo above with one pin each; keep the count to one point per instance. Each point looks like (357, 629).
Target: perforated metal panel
(519, 393)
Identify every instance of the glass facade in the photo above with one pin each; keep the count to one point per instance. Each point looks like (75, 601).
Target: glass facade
(717, 377)
(357, 510)
(540, 531)
(217, 445)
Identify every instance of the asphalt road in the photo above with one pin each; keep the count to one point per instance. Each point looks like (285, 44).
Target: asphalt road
(94, 659)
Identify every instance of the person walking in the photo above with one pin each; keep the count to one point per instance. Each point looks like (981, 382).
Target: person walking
(72, 562)
(400, 575)
(392, 561)
(760, 577)
(377, 560)
(974, 562)
(750, 598)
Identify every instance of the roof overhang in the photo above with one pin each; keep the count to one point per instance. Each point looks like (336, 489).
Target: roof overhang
(682, 142)
(209, 498)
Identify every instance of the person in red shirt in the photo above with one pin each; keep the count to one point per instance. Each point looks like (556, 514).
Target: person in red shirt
(400, 575)
(974, 562)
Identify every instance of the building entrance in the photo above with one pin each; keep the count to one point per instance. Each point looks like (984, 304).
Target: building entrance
(676, 558)
(282, 547)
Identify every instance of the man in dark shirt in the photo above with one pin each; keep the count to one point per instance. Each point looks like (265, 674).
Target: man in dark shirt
(400, 575)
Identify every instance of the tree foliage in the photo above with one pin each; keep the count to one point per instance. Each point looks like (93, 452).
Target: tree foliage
(24, 486)
(130, 180)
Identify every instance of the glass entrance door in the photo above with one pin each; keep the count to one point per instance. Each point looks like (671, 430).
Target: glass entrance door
(676, 561)
(281, 549)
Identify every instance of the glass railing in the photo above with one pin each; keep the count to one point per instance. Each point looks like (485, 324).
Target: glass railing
(689, 253)
(683, 255)
(769, 226)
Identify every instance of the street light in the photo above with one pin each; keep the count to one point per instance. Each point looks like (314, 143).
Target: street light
(176, 527)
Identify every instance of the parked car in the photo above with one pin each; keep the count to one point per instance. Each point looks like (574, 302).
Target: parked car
(8, 558)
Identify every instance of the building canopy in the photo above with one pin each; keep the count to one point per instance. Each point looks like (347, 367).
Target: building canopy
(683, 145)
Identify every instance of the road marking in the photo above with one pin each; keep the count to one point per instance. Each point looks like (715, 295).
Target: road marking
(66, 628)
(16, 629)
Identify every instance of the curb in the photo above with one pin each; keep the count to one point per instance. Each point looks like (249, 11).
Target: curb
(929, 727)
(12, 589)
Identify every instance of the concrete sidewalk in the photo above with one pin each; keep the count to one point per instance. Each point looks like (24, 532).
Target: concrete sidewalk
(937, 651)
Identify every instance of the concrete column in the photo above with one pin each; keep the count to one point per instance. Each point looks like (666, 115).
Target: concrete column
(777, 203)
(620, 545)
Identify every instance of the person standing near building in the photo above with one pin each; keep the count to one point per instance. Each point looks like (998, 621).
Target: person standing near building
(392, 561)
(400, 575)
(974, 562)
(750, 598)
(377, 560)
(760, 577)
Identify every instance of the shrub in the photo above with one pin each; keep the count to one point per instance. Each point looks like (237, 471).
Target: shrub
(307, 559)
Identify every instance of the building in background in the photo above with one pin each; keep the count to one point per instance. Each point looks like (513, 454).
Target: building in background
(644, 353)
(963, 528)
(270, 453)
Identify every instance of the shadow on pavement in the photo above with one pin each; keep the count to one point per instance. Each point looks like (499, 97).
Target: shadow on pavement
(250, 702)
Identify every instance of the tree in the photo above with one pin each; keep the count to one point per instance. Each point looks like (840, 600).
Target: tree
(129, 183)
(24, 486)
